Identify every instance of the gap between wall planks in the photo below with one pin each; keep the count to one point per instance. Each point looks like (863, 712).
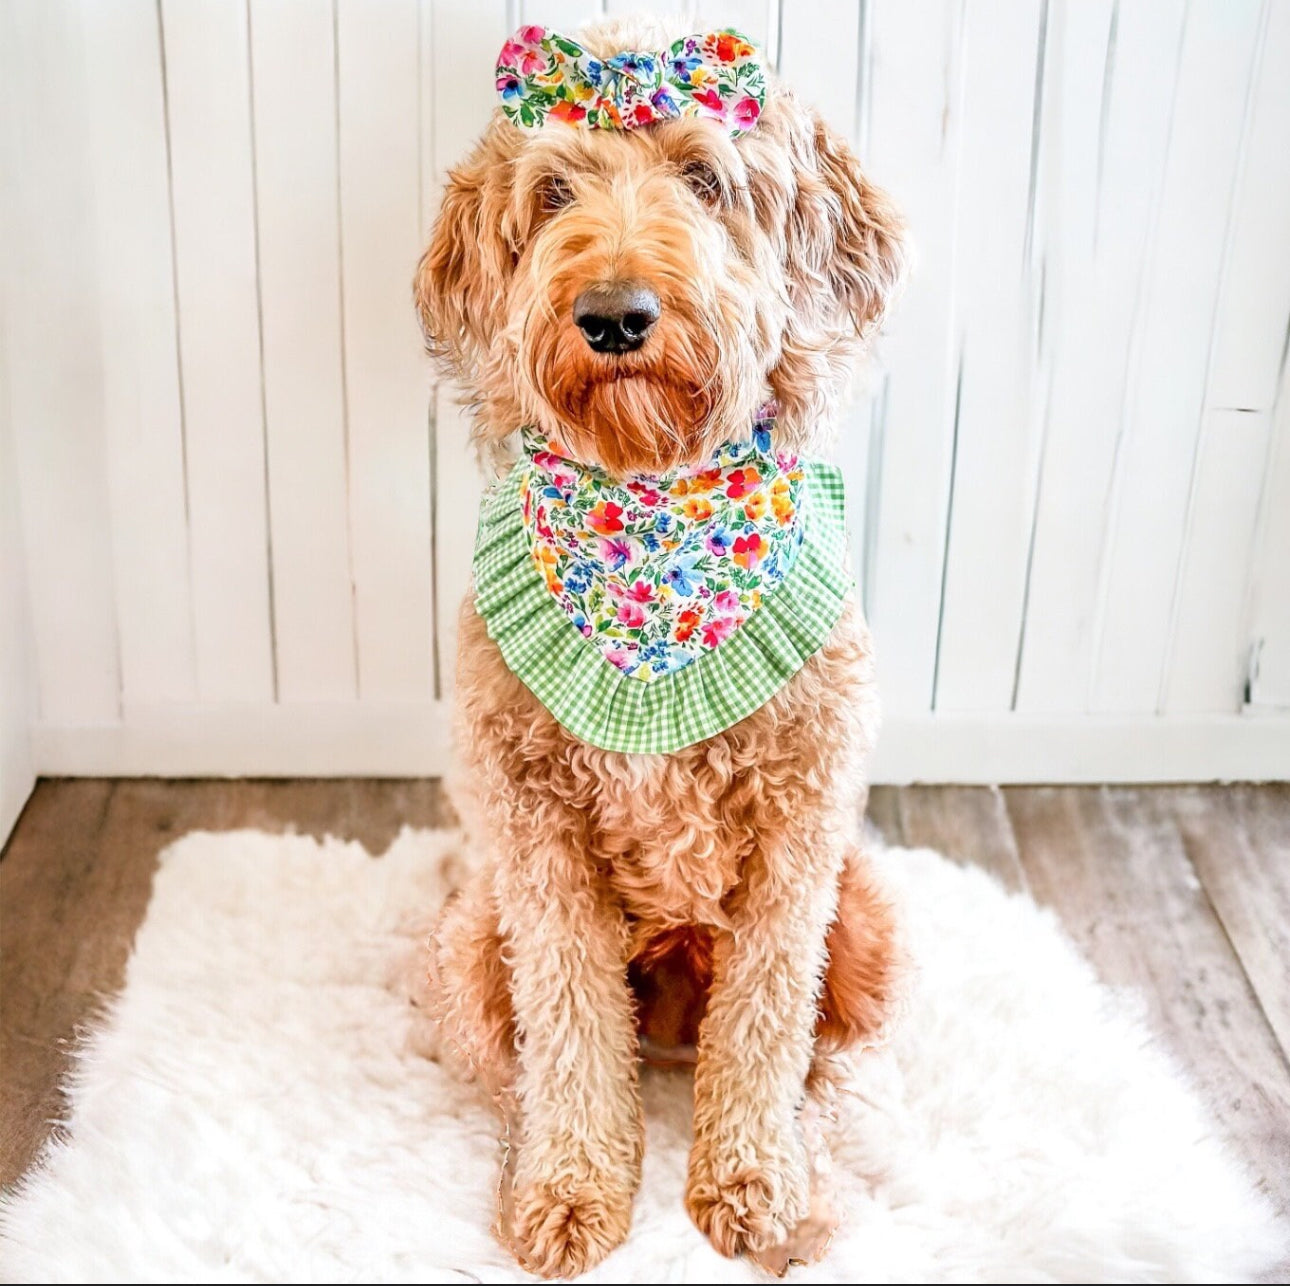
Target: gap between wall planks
(241, 488)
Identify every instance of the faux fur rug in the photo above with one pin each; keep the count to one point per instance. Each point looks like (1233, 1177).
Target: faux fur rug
(255, 1108)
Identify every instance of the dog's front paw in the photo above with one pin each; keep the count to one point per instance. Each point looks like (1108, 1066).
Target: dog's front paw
(562, 1228)
(745, 1209)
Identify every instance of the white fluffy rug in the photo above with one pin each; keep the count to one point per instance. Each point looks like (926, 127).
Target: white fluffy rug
(254, 1108)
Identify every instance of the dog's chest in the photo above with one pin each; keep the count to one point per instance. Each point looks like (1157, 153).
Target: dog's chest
(674, 838)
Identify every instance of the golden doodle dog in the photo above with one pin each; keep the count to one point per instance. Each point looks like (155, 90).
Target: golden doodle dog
(659, 264)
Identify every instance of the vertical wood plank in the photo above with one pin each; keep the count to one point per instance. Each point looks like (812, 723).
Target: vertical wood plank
(385, 376)
(208, 101)
(757, 19)
(1237, 838)
(1112, 108)
(969, 824)
(1164, 410)
(1253, 322)
(53, 857)
(55, 382)
(564, 16)
(465, 42)
(996, 439)
(142, 418)
(915, 123)
(1269, 629)
(1233, 492)
(835, 95)
(1210, 649)
(293, 69)
(17, 686)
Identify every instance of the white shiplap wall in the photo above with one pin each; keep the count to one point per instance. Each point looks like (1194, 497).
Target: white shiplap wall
(17, 770)
(246, 513)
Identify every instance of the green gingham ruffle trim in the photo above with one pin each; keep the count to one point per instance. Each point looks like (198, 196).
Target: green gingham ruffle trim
(599, 704)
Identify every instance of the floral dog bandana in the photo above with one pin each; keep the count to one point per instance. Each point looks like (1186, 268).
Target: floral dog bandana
(652, 612)
(655, 571)
(542, 75)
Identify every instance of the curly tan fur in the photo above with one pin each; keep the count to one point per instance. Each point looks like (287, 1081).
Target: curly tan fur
(714, 902)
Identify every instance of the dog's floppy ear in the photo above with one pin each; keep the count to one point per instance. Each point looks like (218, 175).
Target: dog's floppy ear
(840, 237)
(462, 277)
(842, 246)
(864, 254)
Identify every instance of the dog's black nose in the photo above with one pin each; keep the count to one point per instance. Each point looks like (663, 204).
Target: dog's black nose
(615, 316)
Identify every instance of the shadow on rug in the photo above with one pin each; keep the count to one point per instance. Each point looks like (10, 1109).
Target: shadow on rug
(254, 1106)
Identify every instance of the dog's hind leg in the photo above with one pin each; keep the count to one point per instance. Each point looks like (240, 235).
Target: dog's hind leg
(470, 994)
(864, 964)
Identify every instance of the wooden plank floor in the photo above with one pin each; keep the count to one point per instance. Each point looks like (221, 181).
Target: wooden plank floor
(1180, 892)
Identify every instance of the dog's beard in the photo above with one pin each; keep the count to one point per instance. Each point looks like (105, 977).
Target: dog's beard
(640, 423)
(644, 412)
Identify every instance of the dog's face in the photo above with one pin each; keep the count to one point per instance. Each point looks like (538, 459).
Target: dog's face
(638, 294)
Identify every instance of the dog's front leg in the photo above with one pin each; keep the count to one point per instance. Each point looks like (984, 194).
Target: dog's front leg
(749, 1178)
(577, 1164)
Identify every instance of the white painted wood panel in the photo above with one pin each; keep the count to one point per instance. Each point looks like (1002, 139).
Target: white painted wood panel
(915, 119)
(996, 285)
(564, 16)
(246, 511)
(293, 87)
(142, 420)
(1209, 655)
(55, 379)
(385, 378)
(208, 104)
(757, 19)
(17, 678)
(1269, 590)
(1104, 164)
(1253, 323)
(836, 95)
(1166, 398)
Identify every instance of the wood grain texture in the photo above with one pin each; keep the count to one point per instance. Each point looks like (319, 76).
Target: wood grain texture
(1270, 591)
(387, 389)
(1113, 863)
(42, 879)
(293, 86)
(1209, 640)
(1238, 840)
(915, 125)
(1101, 161)
(1253, 307)
(212, 192)
(53, 375)
(1147, 529)
(995, 292)
(141, 403)
(17, 695)
(969, 824)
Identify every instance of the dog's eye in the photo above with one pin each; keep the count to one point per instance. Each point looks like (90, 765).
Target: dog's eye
(555, 194)
(703, 181)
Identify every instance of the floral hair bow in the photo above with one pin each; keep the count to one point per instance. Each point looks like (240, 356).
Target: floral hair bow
(542, 75)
